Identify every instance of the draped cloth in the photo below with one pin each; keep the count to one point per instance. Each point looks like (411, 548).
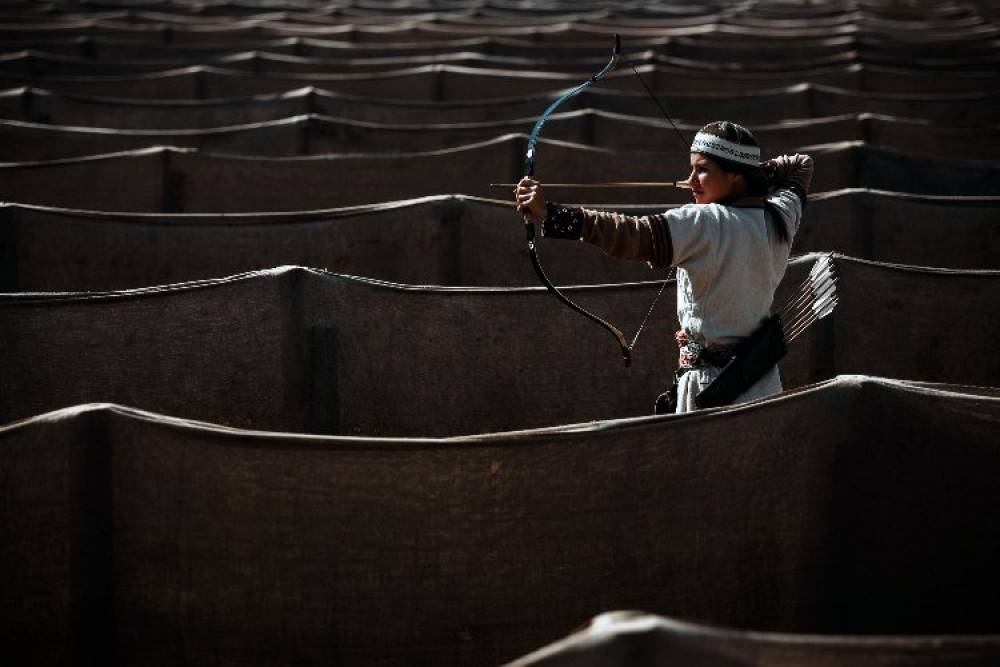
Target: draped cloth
(858, 506)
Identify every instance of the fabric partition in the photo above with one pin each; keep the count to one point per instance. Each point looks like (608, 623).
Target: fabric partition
(725, 49)
(900, 332)
(308, 47)
(318, 135)
(30, 142)
(131, 181)
(908, 80)
(40, 63)
(120, 48)
(453, 83)
(617, 639)
(423, 83)
(903, 228)
(302, 351)
(758, 106)
(204, 182)
(930, 138)
(622, 132)
(905, 172)
(345, 179)
(971, 108)
(714, 48)
(176, 84)
(12, 103)
(50, 106)
(40, 105)
(279, 385)
(567, 60)
(440, 240)
(857, 164)
(298, 350)
(458, 83)
(950, 62)
(136, 537)
(243, 57)
(443, 240)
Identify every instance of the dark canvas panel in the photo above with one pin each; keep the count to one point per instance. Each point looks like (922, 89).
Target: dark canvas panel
(758, 57)
(12, 103)
(107, 49)
(444, 240)
(116, 49)
(403, 473)
(776, 136)
(889, 79)
(29, 142)
(895, 170)
(39, 105)
(345, 180)
(453, 83)
(968, 108)
(133, 181)
(189, 543)
(697, 46)
(420, 83)
(181, 83)
(759, 106)
(915, 304)
(56, 107)
(645, 640)
(204, 182)
(41, 63)
(300, 350)
(725, 49)
(893, 227)
(317, 135)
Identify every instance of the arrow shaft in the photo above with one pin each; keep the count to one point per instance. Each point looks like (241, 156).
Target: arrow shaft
(636, 184)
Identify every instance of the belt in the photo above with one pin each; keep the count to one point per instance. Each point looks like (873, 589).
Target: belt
(692, 354)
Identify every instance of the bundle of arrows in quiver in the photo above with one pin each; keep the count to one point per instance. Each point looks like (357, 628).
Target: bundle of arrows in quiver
(814, 299)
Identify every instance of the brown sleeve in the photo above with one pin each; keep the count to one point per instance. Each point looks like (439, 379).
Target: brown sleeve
(644, 238)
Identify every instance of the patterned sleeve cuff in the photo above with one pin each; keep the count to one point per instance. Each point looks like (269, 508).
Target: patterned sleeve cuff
(563, 222)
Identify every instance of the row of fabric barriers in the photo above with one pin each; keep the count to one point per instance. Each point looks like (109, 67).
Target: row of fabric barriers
(277, 385)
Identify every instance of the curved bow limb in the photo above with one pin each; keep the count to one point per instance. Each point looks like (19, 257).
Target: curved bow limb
(529, 227)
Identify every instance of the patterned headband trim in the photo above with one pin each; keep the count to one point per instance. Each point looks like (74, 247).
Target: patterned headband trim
(729, 150)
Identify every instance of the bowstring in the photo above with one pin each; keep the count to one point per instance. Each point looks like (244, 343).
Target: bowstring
(663, 110)
(672, 273)
(670, 276)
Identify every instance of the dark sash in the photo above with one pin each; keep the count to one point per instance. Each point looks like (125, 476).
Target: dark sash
(753, 357)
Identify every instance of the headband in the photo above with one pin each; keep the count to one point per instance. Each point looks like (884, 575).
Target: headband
(710, 144)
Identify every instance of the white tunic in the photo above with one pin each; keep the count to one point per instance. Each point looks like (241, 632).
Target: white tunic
(729, 264)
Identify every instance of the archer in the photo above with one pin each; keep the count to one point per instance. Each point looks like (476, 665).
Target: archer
(730, 248)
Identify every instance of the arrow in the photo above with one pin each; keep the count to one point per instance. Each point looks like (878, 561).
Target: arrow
(638, 184)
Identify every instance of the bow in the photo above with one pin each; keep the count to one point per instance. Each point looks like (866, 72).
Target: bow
(529, 227)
